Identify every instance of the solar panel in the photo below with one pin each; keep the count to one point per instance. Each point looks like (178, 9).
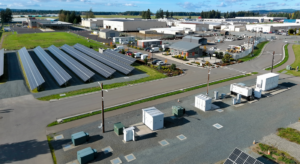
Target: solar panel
(33, 75)
(240, 157)
(1, 62)
(120, 57)
(126, 69)
(58, 73)
(81, 71)
(90, 62)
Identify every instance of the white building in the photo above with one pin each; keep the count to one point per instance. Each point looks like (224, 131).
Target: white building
(272, 27)
(172, 31)
(123, 39)
(95, 23)
(132, 25)
(194, 26)
(263, 19)
(235, 27)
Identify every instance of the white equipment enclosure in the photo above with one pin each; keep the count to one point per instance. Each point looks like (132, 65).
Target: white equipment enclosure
(129, 134)
(245, 91)
(267, 81)
(203, 102)
(153, 118)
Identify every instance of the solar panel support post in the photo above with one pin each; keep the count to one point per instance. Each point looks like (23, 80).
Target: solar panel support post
(102, 106)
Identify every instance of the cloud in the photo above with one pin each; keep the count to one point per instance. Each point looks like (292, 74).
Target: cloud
(130, 5)
(222, 4)
(297, 4)
(272, 3)
(192, 6)
(283, 4)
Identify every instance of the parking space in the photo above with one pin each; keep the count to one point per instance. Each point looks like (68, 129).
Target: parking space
(88, 34)
(198, 137)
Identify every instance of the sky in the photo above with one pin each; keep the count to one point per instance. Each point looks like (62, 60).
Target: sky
(153, 5)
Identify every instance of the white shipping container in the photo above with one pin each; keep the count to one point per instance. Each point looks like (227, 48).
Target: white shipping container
(239, 89)
(153, 118)
(203, 102)
(267, 81)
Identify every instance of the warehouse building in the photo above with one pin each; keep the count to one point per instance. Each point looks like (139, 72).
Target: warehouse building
(148, 43)
(233, 27)
(172, 31)
(196, 40)
(272, 27)
(187, 49)
(96, 23)
(194, 26)
(108, 34)
(132, 25)
(262, 19)
(45, 23)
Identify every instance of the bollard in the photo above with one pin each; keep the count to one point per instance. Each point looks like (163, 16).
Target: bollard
(178, 100)
(216, 94)
(254, 142)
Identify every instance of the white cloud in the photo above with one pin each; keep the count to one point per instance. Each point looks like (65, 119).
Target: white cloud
(297, 4)
(283, 4)
(130, 5)
(222, 4)
(192, 6)
(272, 3)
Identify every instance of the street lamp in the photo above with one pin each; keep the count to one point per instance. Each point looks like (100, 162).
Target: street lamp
(102, 106)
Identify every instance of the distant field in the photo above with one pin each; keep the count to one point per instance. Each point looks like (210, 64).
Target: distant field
(131, 16)
(30, 41)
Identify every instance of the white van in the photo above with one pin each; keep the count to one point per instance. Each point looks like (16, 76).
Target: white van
(144, 56)
(120, 47)
(154, 49)
(138, 54)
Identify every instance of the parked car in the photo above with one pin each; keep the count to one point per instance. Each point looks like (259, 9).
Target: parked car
(137, 54)
(147, 49)
(155, 61)
(265, 33)
(160, 63)
(120, 47)
(129, 53)
(125, 42)
(154, 49)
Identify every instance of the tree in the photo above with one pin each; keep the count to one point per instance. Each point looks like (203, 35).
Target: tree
(75, 21)
(167, 14)
(91, 14)
(173, 67)
(291, 31)
(67, 18)
(148, 14)
(6, 16)
(146, 61)
(226, 58)
(171, 14)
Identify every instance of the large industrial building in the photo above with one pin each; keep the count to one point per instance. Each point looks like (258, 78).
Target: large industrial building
(44, 23)
(132, 25)
(272, 27)
(262, 19)
(194, 26)
(96, 23)
(235, 27)
(172, 31)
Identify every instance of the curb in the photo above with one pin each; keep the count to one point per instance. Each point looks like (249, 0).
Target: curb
(61, 119)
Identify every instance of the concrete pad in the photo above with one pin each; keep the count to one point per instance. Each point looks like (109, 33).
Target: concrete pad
(218, 126)
(68, 146)
(116, 161)
(141, 129)
(73, 162)
(59, 137)
(238, 105)
(163, 143)
(181, 137)
(130, 157)
(214, 107)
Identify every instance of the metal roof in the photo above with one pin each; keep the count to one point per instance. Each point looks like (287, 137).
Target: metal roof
(184, 46)
(1, 62)
(106, 30)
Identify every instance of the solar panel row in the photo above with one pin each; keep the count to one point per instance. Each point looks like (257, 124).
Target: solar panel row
(58, 73)
(126, 69)
(33, 75)
(120, 57)
(1, 62)
(90, 62)
(81, 71)
(239, 157)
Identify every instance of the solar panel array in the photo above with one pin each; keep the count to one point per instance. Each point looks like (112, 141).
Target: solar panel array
(81, 71)
(33, 75)
(58, 73)
(126, 69)
(120, 57)
(1, 62)
(90, 62)
(239, 157)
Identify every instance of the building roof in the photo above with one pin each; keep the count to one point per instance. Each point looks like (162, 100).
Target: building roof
(183, 45)
(193, 37)
(106, 30)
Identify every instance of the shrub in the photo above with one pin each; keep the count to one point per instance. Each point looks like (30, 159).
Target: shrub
(123, 51)
(184, 58)
(173, 67)
(146, 61)
(231, 59)
(133, 55)
(159, 67)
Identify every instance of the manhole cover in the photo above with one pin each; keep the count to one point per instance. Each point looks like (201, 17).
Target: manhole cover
(116, 161)
(163, 143)
(181, 137)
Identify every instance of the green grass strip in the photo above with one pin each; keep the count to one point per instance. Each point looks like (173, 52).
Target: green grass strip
(257, 50)
(286, 58)
(290, 134)
(146, 100)
(51, 149)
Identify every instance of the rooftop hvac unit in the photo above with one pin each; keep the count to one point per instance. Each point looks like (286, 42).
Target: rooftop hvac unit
(203, 102)
(267, 81)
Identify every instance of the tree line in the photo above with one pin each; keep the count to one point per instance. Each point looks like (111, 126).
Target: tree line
(69, 16)
(240, 14)
(294, 15)
(6, 16)
(146, 14)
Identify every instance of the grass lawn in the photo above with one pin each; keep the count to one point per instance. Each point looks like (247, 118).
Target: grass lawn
(286, 58)
(256, 52)
(296, 49)
(290, 134)
(30, 41)
(153, 75)
(133, 16)
(144, 100)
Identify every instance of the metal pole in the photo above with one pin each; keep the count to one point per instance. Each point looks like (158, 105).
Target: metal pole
(208, 81)
(102, 106)
(273, 61)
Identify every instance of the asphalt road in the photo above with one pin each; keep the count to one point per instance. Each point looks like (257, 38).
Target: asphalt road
(24, 118)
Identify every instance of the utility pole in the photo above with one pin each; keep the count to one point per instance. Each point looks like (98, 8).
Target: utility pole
(273, 61)
(102, 106)
(207, 80)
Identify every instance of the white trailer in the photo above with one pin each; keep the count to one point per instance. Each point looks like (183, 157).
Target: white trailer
(237, 88)
(267, 81)
(153, 118)
(203, 102)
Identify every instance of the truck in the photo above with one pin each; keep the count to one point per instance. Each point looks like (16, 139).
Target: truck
(144, 56)
(154, 49)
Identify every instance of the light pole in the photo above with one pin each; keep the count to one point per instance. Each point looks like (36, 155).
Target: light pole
(208, 80)
(102, 106)
(273, 61)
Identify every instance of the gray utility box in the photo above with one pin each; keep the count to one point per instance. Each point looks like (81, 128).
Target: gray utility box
(79, 138)
(86, 155)
(178, 111)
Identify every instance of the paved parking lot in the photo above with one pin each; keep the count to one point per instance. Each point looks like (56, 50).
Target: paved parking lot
(202, 142)
(88, 34)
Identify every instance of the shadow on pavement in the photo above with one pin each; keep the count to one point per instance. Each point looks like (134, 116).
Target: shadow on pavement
(147, 136)
(6, 110)
(170, 123)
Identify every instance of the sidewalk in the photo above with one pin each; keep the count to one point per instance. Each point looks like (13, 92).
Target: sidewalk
(290, 61)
